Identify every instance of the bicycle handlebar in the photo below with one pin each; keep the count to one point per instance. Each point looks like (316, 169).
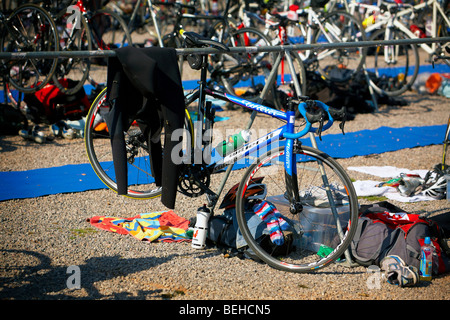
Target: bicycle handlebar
(317, 115)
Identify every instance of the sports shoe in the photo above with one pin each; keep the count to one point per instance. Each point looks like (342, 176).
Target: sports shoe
(33, 134)
(391, 263)
(397, 273)
(61, 129)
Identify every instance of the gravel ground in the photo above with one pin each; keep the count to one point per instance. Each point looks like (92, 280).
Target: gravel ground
(41, 237)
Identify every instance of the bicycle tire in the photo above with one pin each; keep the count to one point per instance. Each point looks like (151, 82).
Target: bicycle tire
(306, 229)
(242, 74)
(74, 69)
(443, 30)
(245, 74)
(392, 78)
(108, 32)
(30, 75)
(341, 27)
(98, 149)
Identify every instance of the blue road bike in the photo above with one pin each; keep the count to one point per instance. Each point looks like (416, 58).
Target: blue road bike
(308, 189)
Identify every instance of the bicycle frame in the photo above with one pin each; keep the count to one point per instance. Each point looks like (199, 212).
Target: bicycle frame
(430, 49)
(137, 5)
(394, 20)
(285, 131)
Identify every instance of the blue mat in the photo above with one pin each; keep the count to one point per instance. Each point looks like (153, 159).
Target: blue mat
(78, 178)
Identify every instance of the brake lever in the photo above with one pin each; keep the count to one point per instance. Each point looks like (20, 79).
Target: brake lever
(319, 129)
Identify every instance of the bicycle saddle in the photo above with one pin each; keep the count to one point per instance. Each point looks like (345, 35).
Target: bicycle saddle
(194, 40)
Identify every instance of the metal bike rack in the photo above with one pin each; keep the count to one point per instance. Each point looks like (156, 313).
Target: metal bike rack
(249, 49)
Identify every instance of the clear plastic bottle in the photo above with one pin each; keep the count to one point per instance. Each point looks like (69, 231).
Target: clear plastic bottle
(233, 142)
(201, 228)
(426, 260)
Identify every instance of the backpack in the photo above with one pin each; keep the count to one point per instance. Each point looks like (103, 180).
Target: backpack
(384, 229)
(50, 105)
(224, 234)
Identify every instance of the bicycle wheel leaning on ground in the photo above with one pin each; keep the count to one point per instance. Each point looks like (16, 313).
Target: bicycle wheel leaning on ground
(74, 36)
(245, 74)
(108, 32)
(395, 66)
(141, 184)
(313, 237)
(340, 27)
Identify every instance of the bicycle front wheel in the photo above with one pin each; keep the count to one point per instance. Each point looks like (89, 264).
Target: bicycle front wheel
(141, 182)
(317, 235)
(395, 67)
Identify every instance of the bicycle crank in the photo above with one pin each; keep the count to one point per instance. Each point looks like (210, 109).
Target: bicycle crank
(194, 181)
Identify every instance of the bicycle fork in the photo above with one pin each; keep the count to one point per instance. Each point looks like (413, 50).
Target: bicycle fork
(292, 191)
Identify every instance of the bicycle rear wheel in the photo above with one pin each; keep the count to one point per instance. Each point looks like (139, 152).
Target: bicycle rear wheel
(395, 67)
(71, 73)
(316, 236)
(108, 32)
(30, 29)
(241, 74)
(443, 30)
(340, 27)
(141, 183)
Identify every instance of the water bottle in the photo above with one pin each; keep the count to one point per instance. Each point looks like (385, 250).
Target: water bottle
(233, 142)
(370, 20)
(417, 31)
(426, 260)
(215, 7)
(201, 228)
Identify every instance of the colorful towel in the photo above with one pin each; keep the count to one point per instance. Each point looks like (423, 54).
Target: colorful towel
(164, 226)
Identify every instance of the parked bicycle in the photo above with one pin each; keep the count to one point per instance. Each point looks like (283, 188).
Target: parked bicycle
(28, 28)
(81, 29)
(311, 26)
(396, 66)
(298, 180)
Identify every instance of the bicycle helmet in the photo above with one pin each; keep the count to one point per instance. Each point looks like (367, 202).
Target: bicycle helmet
(255, 190)
(437, 188)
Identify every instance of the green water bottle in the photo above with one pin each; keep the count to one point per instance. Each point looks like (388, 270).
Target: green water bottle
(233, 142)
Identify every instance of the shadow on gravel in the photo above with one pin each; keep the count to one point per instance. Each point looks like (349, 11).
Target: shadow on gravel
(422, 101)
(6, 146)
(37, 279)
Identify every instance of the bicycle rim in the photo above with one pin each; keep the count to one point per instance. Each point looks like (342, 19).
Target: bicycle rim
(313, 232)
(141, 183)
(340, 27)
(443, 30)
(31, 30)
(242, 74)
(395, 67)
(108, 32)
